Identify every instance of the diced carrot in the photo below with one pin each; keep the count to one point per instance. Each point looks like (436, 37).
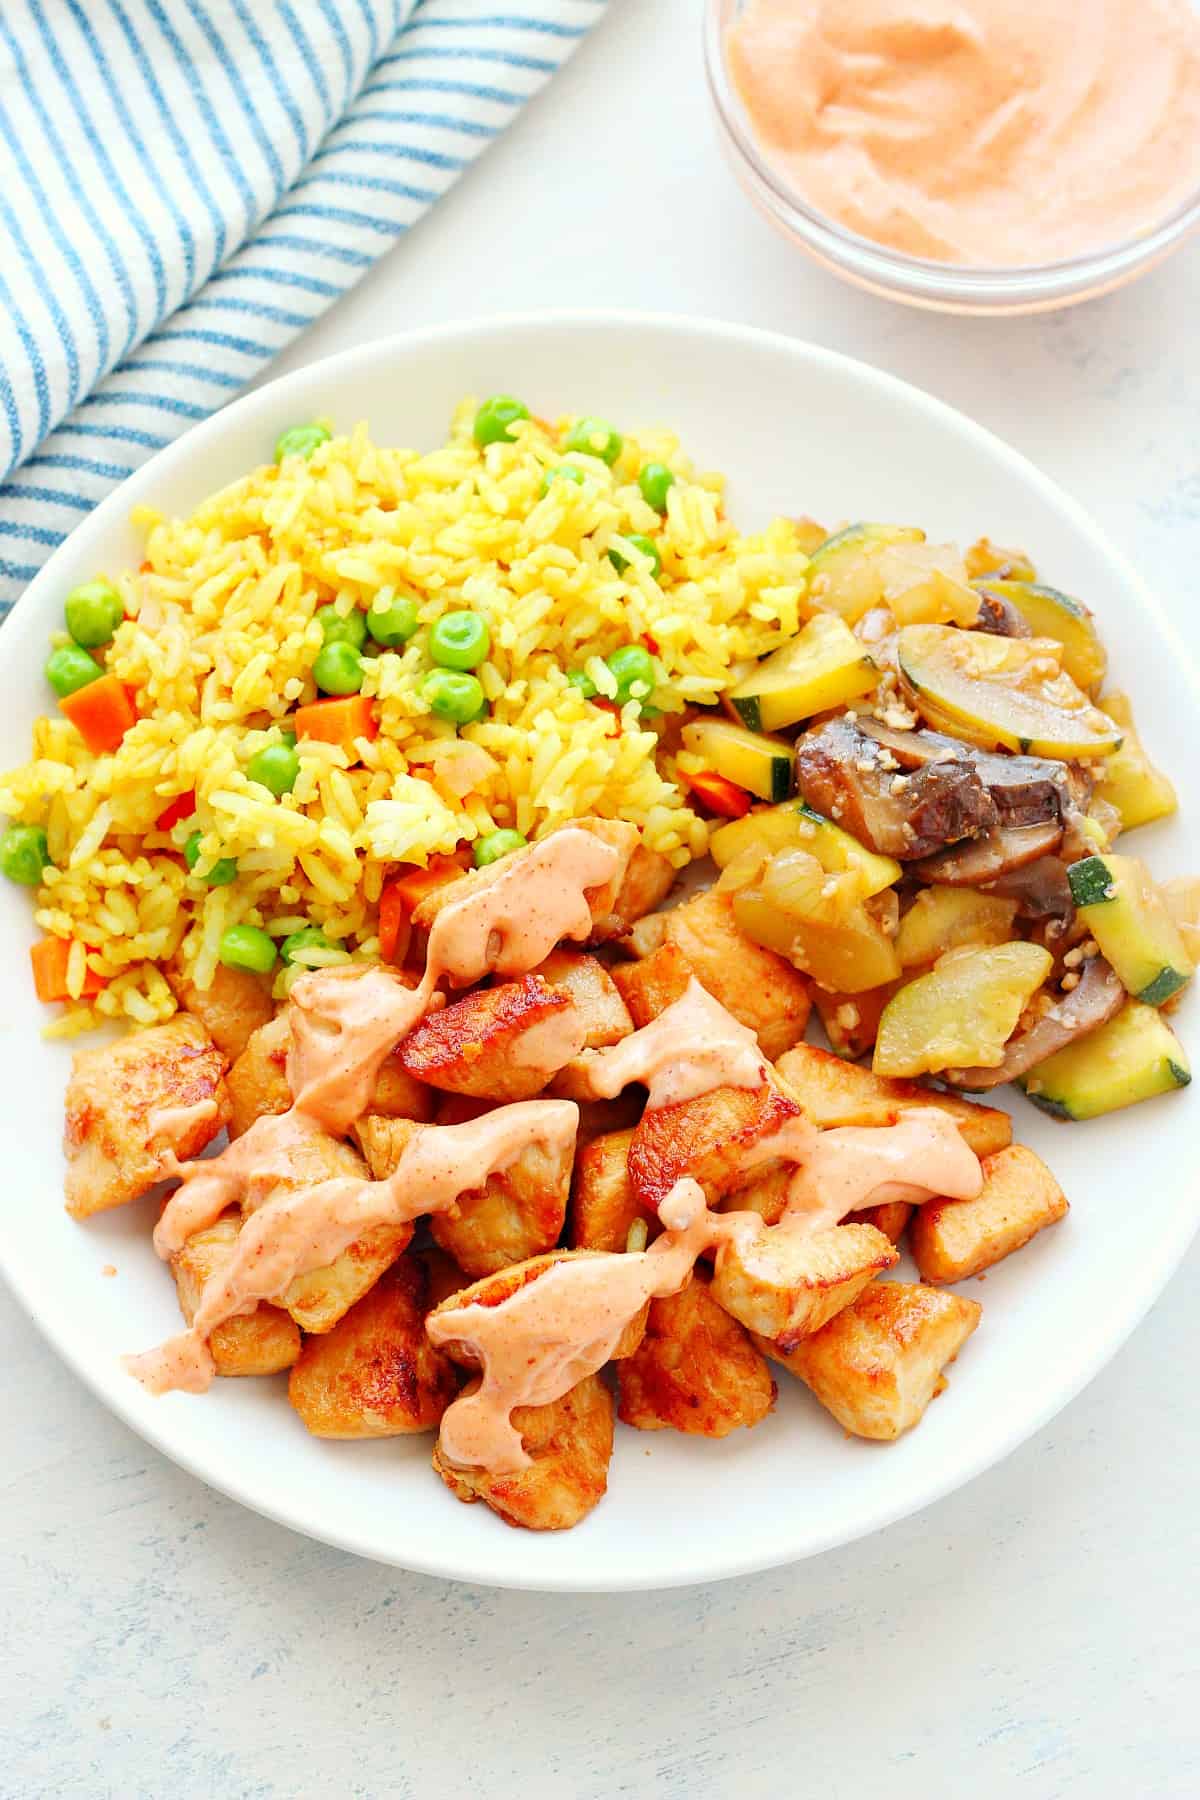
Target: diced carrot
(393, 921)
(49, 957)
(181, 807)
(338, 721)
(101, 712)
(719, 794)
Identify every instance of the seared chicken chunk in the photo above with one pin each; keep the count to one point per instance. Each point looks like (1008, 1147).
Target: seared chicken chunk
(784, 1285)
(570, 1445)
(500, 1043)
(696, 1370)
(318, 1299)
(258, 1082)
(708, 1138)
(493, 1290)
(834, 1092)
(879, 1363)
(759, 988)
(953, 1239)
(135, 1106)
(233, 1006)
(517, 1213)
(599, 1009)
(376, 1374)
(614, 905)
(262, 1342)
(603, 1203)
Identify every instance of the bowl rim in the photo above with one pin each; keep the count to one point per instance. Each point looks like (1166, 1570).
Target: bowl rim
(1093, 1349)
(922, 281)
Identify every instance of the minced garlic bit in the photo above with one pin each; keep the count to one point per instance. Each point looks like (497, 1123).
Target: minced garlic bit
(1073, 958)
(847, 1016)
(1070, 981)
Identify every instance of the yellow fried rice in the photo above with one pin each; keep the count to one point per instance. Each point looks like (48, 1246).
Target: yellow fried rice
(220, 637)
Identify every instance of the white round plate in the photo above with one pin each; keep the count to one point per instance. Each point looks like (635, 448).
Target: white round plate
(798, 430)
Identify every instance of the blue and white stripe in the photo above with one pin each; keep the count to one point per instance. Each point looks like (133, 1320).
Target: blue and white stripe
(188, 184)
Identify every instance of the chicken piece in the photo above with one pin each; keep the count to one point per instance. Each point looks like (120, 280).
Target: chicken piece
(759, 988)
(834, 1092)
(599, 1008)
(134, 1106)
(517, 1213)
(603, 1203)
(493, 1290)
(647, 881)
(262, 1342)
(610, 903)
(376, 1374)
(708, 1138)
(891, 1218)
(655, 982)
(235, 1005)
(879, 1363)
(696, 1370)
(953, 1239)
(570, 1443)
(318, 1299)
(785, 1285)
(258, 1082)
(500, 1043)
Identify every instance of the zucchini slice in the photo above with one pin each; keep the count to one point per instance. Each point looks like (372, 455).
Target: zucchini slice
(1049, 613)
(1130, 781)
(1129, 919)
(1002, 693)
(825, 666)
(1134, 1057)
(945, 918)
(764, 766)
(962, 1013)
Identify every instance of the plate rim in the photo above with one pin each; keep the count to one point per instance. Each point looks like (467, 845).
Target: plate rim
(1096, 1349)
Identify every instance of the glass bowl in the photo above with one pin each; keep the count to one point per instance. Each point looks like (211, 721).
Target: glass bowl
(915, 280)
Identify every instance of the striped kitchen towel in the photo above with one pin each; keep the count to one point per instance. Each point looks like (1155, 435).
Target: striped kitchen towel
(185, 185)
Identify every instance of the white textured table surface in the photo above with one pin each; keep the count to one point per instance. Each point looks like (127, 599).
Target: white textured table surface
(1036, 1633)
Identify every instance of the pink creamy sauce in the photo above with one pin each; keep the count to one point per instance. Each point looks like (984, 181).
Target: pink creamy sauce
(1000, 132)
(548, 1335)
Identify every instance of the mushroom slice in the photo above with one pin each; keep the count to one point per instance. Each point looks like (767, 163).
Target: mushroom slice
(842, 773)
(1040, 888)
(1093, 1003)
(986, 859)
(999, 617)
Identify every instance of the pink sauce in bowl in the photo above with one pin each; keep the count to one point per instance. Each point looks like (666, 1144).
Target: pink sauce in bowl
(998, 155)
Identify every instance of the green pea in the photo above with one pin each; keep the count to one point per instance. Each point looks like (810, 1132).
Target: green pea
(275, 767)
(631, 666)
(579, 678)
(392, 618)
(494, 418)
(223, 871)
(459, 640)
(451, 695)
(23, 854)
(288, 738)
(647, 548)
(69, 668)
(655, 480)
(93, 612)
(595, 437)
(495, 844)
(246, 947)
(338, 669)
(336, 629)
(562, 472)
(300, 440)
(310, 937)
